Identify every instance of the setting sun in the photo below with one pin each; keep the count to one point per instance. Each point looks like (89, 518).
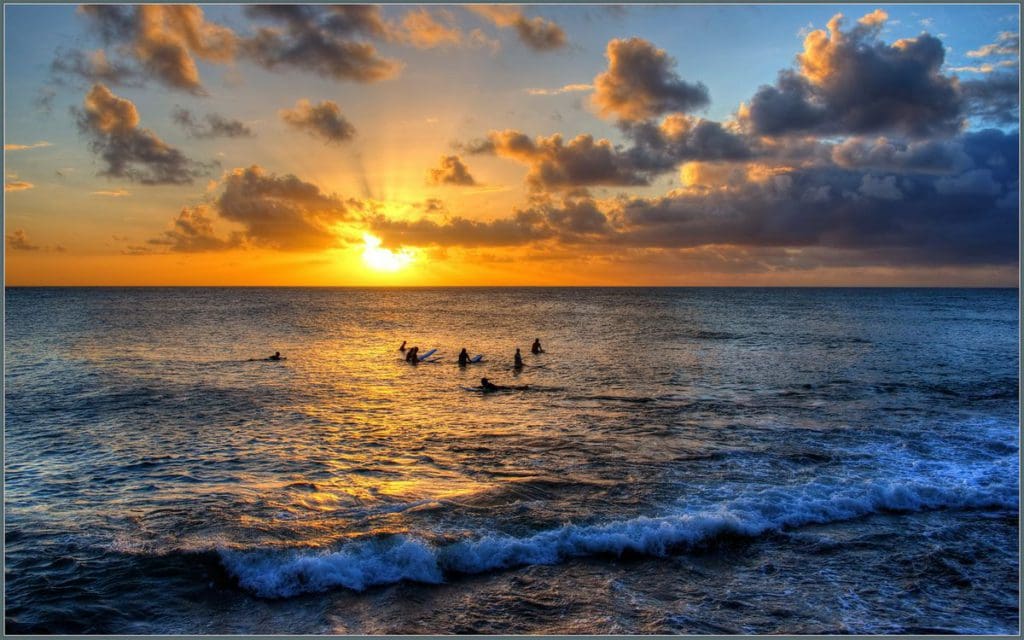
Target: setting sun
(380, 259)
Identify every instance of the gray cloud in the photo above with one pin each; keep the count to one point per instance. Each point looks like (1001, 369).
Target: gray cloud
(215, 125)
(536, 33)
(95, 67)
(128, 150)
(320, 39)
(849, 82)
(555, 164)
(323, 120)
(283, 212)
(452, 171)
(192, 232)
(640, 83)
(164, 40)
(964, 215)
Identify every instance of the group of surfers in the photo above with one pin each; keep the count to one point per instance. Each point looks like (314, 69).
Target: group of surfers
(412, 357)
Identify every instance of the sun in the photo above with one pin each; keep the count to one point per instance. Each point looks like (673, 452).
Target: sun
(381, 259)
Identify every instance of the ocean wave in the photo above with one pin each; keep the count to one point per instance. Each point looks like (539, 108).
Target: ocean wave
(363, 564)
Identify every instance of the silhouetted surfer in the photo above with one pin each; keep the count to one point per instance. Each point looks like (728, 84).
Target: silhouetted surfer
(487, 385)
(276, 356)
(519, 360)
(536, 347)
(402, 348)
(412, 355)
(463, 357)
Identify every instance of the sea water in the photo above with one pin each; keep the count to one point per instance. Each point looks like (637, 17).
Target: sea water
(682, 461)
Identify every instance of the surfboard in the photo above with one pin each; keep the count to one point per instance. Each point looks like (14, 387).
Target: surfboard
(477, 358)
(427, 355)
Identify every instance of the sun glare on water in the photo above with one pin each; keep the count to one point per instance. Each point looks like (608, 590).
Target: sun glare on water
(380, 259)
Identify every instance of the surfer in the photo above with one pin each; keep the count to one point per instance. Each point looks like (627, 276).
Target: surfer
(463, 357)
(519, 359)
(412, 355)
(487, 385)
(535, 349)
(276, 356)
(402, 348)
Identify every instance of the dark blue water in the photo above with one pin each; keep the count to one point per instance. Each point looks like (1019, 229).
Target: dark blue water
(682, 461)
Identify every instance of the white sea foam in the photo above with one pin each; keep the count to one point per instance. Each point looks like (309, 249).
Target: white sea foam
(364, 564)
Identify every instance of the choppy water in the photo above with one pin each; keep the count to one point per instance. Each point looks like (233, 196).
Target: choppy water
(684, 461)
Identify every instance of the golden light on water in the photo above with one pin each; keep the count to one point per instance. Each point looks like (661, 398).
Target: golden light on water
(380, 259)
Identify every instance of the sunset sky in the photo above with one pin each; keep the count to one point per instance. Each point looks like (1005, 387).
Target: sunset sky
(496, 144)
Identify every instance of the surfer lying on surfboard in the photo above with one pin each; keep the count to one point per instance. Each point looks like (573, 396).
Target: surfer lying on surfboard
(487, 385)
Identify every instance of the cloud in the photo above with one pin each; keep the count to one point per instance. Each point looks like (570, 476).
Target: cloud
(128, 150)
(452, 171)
(995, 98)
(569, 88)
(320, 39)
(536, 33)
(165, 40)
(881, 187)
(192, 232)
(680, 138)
(1007, 44)
(96, 67)
(640, 83)
(18, 185)
(947, 206)
(18, 241)
(26, 147)
(323, 120)
(216, 125)
(885, 154)
(522, 228)
(115, 193)
(848, 82)
(425, 30)
(555, 164)
(280, 211)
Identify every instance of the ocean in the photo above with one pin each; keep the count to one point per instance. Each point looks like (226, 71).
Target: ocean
(694, 460)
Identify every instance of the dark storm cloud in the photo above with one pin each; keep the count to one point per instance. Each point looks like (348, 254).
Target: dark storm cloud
(848, 82)
(320, 39)
(640, 83)
(323, 120)
(995, 98)
(213, 125)
(556, 164)
(883, 154)
(452, 171)
(129, 151)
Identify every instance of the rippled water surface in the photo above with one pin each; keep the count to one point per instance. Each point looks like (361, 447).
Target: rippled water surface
(681, 461)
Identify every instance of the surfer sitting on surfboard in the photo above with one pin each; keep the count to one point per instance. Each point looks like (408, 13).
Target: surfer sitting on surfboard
(412, 355)
(519, 359)
(535, 349)
(463, 357)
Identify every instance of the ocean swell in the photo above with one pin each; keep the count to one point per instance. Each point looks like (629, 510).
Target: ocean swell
(362, 564)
